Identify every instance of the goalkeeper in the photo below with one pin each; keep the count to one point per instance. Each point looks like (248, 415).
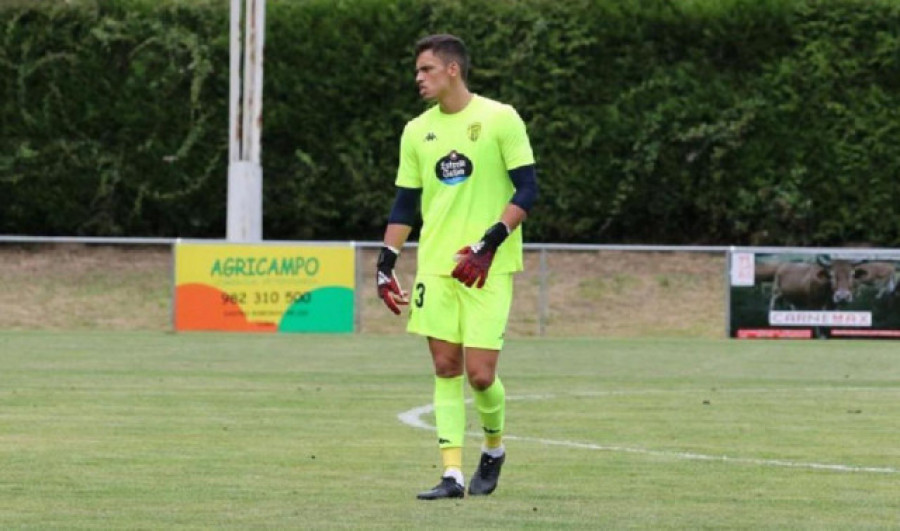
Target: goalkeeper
(468, 163)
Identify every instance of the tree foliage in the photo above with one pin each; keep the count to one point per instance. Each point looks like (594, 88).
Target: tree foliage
(706, 121)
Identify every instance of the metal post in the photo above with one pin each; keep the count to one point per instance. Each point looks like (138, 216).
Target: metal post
(543, 294)
(173, 249)
(729, 256)
(357, 289)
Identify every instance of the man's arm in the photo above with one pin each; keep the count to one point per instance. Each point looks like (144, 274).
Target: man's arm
(513, 216)
(474, 261)
(524, 180)
(395, 235)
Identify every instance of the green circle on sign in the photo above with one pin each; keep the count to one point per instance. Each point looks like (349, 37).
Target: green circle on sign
(326, 310)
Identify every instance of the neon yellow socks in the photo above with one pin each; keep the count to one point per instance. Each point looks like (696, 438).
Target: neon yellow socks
(450, 419)
(491, 406)
(452, 461)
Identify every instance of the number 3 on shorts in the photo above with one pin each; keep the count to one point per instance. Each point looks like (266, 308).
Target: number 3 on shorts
(420, 295)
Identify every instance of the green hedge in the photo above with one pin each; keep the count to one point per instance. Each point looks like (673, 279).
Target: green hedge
(705, 121)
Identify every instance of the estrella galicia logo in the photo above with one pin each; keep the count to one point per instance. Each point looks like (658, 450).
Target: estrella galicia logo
(454, 168)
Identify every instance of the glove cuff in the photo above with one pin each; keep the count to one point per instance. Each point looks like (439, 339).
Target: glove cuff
(495, 236)
(387, 258)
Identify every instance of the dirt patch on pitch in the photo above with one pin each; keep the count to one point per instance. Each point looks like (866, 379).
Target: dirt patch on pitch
(78, 287)
(72, 287)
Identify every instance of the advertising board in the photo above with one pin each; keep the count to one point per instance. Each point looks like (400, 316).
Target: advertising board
(811, 294)
(263, 287)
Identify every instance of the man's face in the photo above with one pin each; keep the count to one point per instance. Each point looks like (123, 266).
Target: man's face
(433, 75)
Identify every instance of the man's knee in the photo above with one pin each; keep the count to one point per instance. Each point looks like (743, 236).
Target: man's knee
(447, 358)
(447, 367)
(480, 378)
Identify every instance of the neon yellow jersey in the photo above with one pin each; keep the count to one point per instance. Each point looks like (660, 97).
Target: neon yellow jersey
(461, 163)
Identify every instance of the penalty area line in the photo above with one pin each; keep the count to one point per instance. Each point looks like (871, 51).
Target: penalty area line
(413, 419)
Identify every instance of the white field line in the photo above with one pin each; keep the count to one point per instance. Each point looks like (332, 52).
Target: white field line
(413, 418)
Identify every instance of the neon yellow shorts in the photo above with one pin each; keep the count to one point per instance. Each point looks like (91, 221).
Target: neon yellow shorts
(443, 308)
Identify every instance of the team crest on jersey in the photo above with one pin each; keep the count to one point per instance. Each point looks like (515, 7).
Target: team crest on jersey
(453, 168)
(474, 131)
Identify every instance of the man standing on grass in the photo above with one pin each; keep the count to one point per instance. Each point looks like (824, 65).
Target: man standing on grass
(468, 161)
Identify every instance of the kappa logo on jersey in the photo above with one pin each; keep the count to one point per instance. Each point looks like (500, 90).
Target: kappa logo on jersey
(453, 168)
(430, 137)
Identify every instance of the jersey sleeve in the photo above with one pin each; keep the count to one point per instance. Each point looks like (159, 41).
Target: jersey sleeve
(408, 175)
(514, 144)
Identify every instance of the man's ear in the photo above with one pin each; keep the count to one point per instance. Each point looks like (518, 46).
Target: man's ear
(453, 68)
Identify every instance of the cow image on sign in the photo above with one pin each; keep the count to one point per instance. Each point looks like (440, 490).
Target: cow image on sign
(823, 285)
(765, 272)
(848, 293)
(880, 276)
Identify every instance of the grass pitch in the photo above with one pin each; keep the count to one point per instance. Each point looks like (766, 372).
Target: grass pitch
(155, 430)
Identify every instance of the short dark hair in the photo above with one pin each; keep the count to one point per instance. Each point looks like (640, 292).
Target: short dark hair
(448, 48)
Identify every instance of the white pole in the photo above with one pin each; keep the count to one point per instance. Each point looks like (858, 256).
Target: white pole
(234, 93)
(246, 111)
(258, 19)
(245, 107)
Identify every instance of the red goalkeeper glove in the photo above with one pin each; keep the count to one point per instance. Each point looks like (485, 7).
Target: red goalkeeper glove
(388, 287)
(474, 261)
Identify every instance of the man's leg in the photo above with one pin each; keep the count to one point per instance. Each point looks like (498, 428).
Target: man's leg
(490, 401)
(450, 417)
(490, 396)
(484, 314)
